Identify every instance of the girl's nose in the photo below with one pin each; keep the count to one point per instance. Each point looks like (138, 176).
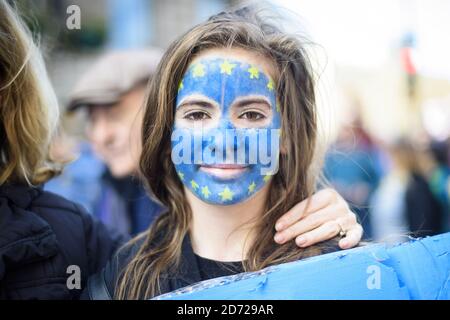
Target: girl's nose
(225, 142)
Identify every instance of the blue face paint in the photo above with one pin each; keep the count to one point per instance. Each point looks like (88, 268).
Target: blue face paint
(225, 82)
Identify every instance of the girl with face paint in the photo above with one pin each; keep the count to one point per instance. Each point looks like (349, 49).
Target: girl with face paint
(229, 146)
(225, 138)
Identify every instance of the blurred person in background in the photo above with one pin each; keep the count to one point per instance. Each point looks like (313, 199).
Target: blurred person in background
(42, 234)
(440, 179)
(352, 167)
(113, 92)
(404, 203)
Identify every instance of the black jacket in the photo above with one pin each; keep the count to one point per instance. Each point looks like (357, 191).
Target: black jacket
(102, 286)
(41, 235)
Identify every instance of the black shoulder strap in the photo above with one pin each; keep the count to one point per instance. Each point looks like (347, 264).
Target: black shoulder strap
(97, 287)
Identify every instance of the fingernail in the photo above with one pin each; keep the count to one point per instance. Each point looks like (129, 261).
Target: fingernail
(278, 238)
(279, 226)
(344, 243)
(300, 241)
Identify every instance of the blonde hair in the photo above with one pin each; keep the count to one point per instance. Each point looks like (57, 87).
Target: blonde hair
(160, 253)
(28, 106)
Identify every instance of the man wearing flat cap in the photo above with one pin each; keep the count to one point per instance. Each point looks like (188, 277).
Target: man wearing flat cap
(112, 92)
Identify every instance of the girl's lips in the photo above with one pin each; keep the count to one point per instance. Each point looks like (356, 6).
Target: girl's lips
(224, 171)
(225, 166)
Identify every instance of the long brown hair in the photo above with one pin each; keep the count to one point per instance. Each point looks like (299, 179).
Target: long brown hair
(28, 106)
(296, 179)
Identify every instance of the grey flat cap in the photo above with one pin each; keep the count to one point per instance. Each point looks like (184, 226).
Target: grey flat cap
(113, 75)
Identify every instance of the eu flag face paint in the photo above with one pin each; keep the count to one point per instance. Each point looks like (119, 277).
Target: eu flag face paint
(225, 140)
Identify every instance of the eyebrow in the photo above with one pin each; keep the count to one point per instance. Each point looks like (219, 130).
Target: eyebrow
(242, 102)
(199, 102)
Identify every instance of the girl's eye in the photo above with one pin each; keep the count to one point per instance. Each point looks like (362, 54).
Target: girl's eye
(252, 116)
(197, 116)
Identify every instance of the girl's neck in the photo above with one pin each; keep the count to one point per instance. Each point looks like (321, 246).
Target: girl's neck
(225, 233)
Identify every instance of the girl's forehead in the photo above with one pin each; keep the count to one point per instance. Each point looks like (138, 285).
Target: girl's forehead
(239, 55)
(224, 78)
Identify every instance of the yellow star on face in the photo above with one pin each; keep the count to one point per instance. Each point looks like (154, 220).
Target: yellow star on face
(194, 185)
(198, 71)
(226, 194)
(251, 187)
(206, 192)
(181, 175)
(227, 67)
(266, 177)
(270, 85)
(254, 72)
(180, 87)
